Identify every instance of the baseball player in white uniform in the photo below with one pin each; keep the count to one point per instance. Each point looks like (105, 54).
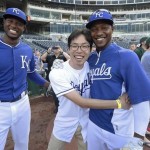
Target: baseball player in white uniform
(72, 87)
(16, 64)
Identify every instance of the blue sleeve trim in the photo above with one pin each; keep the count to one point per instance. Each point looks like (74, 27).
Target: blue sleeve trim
(64, 91)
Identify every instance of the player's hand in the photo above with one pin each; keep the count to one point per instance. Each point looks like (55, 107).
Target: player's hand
(49, 50)
(125, 102)
(46, 84)
(49, 91)
(57, 64)
(49, 88)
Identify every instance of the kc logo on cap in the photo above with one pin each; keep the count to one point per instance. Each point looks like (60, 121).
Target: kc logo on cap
(16, 13)
(15, 10)
(100, 15)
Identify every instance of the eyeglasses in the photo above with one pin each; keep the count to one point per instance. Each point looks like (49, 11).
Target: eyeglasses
(82, 47)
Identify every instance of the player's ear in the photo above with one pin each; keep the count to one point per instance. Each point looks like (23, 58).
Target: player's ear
(25, 27)
(113, 27)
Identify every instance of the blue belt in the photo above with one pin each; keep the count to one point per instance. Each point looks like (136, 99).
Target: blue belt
(16, 99)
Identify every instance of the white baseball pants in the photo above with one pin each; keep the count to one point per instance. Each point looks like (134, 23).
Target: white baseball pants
(15, 116)
(99, 139)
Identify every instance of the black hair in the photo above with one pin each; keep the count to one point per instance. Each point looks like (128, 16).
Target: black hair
(78, 32)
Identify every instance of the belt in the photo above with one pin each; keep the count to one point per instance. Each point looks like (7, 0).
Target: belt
(16, 99)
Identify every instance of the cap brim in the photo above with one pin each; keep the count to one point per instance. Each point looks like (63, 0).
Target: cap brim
(13, 16)
(107, 21)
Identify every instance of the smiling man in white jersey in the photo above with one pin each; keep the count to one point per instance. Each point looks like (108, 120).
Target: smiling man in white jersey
(72, 87)
(16, 64)
(115, 69)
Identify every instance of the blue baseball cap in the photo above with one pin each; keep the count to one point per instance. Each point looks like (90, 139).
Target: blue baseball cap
(100, 15)
(15, 12)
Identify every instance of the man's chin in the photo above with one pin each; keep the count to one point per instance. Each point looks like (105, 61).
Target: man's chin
(13, 37)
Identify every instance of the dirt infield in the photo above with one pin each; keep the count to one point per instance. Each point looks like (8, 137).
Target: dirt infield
(41, 125)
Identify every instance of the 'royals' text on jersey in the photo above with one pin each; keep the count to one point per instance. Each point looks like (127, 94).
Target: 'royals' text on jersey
(112, 71)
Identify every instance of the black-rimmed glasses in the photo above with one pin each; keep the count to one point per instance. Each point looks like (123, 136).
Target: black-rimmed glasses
(82, 47)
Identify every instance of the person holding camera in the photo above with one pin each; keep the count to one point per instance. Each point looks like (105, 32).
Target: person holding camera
(56, 52)
(51, 54)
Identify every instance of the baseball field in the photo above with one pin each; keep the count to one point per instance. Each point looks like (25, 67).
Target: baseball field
(42, 109)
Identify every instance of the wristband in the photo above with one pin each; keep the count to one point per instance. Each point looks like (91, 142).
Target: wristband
(119, 104)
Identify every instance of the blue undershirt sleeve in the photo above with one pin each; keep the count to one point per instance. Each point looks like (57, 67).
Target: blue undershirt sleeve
(35, 77)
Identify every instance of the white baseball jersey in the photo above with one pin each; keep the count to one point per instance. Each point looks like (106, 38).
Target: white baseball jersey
(69, 114)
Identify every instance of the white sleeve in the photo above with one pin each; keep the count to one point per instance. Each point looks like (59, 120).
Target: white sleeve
(60, 82)
(141, 117)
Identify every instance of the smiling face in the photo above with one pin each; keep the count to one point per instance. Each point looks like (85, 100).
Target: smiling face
(13, 28)
(79, 51)
(101, 33)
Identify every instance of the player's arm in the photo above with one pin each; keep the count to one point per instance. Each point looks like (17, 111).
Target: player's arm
(38, 79)
(135, 82)
(141, 116)
(35, 77)
(96, 103)
(62, 87)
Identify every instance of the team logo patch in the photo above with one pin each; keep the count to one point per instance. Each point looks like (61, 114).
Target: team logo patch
(25, 63)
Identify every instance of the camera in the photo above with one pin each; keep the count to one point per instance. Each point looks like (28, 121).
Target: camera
(55, 47)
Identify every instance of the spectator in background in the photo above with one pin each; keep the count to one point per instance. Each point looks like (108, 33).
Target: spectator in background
(142, 48)
(39, 63)
(16, 64)
(132, 46)
(51, 54)
(145, 60)
(48, 57)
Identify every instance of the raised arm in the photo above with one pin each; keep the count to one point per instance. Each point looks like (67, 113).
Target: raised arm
(44, 56)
